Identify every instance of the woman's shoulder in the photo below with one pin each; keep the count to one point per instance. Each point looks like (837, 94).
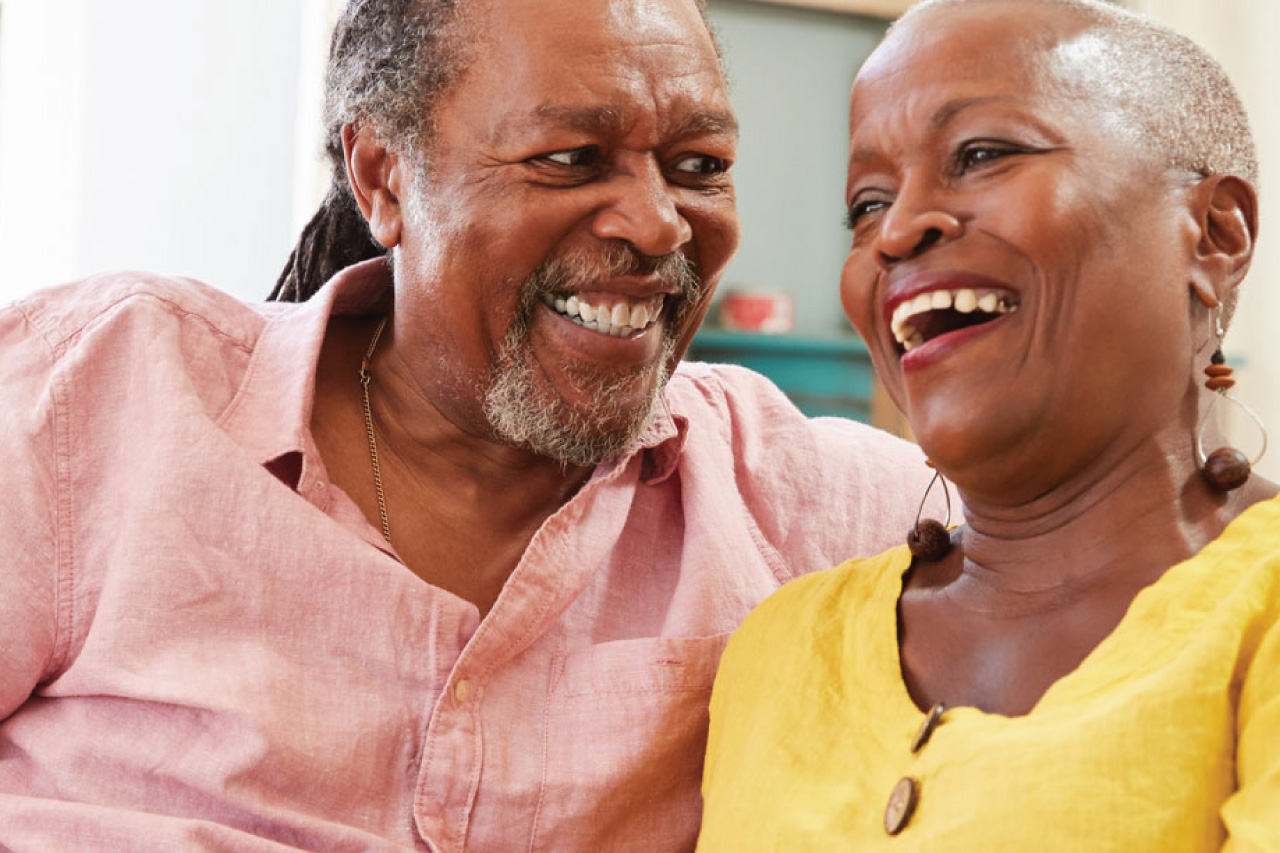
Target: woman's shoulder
(1243, 559)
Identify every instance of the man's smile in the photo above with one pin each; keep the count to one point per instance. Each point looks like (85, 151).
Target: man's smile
(608, 315)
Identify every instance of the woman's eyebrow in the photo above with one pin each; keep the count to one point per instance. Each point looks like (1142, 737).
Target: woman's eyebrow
(951, 109)
(940, 118)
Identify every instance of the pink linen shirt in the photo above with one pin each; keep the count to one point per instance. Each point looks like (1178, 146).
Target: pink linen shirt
(206, 646)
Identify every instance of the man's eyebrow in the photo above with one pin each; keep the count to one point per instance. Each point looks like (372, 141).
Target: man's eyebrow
(709, 124)
(607, 119)
(592, 118)
(588, 120)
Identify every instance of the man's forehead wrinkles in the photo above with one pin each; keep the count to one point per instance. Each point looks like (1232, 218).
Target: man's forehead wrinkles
(605, 118)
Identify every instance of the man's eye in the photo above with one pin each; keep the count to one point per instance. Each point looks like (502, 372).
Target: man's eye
(588, 155)
(861, 209)
(702, 164)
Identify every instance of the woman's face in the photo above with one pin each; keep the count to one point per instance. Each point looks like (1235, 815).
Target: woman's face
(1019, 264)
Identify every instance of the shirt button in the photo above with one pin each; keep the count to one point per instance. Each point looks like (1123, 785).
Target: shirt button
(902, 804)
(926, 728)
(462, 690)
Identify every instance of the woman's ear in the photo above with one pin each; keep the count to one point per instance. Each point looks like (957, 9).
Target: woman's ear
(373, 169)
(1226, 212)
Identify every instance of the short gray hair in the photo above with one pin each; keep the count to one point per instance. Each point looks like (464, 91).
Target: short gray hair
(391, 62)
(1175, 94)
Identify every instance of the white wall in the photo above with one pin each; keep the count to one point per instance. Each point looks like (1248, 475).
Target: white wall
(1241, 35)
(148, 134)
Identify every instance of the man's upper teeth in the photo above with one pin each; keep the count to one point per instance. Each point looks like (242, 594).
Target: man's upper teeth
(964, 300)
(621, 319)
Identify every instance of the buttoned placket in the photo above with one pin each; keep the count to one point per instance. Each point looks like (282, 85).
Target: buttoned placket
(905, 796)
(453, 750)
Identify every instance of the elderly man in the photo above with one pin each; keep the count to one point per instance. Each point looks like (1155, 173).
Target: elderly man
(444, 557)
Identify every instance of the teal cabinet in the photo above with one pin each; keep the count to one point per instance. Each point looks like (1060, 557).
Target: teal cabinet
(822, 376)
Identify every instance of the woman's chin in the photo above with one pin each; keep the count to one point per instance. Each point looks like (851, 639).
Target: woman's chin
(971, 442)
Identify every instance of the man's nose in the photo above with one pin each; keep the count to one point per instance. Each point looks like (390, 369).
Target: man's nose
(914, 223)
(642, 211)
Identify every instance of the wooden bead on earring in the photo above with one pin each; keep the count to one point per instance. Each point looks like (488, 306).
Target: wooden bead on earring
(1226, 469)
(929, 540)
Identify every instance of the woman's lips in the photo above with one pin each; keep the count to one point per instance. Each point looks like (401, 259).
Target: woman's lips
(938, 312)
(912, 286)
(938, 348)
(929, 314)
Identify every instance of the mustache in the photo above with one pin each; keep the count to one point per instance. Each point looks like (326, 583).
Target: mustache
(578, 269)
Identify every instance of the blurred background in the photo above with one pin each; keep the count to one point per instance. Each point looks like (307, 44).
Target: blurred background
(182, 136)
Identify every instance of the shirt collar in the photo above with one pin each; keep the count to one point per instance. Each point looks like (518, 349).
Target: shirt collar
(271, 414)
(662, 443)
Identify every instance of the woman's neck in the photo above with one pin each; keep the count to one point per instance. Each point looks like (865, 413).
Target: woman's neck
(1119, 523)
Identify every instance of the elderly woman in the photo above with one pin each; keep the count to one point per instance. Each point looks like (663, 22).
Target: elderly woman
(1052, 205)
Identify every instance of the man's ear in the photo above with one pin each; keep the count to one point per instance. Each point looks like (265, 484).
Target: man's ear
(373, 170)
(1226, 213)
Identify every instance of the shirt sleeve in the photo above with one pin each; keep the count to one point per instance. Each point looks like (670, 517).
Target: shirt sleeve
(28, 512)
(1252, 814)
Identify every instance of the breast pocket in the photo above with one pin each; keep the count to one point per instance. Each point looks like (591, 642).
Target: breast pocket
(626, 728)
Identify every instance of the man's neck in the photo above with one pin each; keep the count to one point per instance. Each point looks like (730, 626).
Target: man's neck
(462, 509)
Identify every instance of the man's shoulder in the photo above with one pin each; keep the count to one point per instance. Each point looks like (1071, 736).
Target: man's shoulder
(137, 301)
(725, 392)
(749, 407)
(820, 490)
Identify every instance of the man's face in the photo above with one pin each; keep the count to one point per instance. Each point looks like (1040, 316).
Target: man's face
(575, 215)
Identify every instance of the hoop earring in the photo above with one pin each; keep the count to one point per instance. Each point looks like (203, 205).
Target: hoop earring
(1226, 468)
(929, 539)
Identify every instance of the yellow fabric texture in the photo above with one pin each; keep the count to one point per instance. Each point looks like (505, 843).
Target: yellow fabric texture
(1166, 738)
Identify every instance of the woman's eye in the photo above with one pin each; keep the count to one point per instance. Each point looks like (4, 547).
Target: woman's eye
(588, 155)
(975, 155)
(860, 209)
(702, 164)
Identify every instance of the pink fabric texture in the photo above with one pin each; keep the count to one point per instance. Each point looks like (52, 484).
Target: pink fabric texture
(205, 646)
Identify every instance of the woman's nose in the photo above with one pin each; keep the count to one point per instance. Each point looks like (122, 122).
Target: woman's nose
(911, 226)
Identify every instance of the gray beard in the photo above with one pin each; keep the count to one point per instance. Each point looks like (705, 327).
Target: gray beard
(522, 413)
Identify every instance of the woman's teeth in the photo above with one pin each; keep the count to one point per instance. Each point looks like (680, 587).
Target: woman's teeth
(619, 320)
(908, 322)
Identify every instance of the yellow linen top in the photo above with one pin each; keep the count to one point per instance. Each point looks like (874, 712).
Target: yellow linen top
(1166, 738)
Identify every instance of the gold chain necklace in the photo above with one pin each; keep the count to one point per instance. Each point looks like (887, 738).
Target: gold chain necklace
(365, 378)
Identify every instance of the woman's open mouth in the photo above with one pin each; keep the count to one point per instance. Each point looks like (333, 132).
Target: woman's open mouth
(930, 315)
